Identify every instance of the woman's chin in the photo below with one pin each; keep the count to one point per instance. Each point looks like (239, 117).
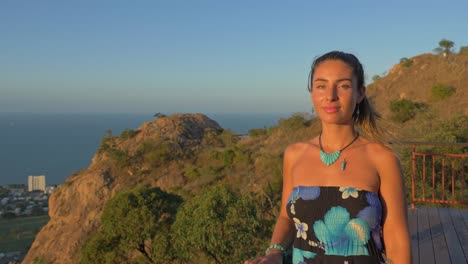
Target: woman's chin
(336, 120)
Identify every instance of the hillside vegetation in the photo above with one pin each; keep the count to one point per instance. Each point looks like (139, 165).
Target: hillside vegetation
(416, 96)
(181, 189)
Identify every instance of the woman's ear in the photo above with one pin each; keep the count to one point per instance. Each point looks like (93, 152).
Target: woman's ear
(361, 94)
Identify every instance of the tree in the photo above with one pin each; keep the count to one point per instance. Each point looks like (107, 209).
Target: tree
(445, 46)
(4, 192)
(406, 62)
(108, 133)
(133, 221)
(9, 215)
(128, 133)
(451, 130)
(220, 225)
(103, 248)
(159, 115)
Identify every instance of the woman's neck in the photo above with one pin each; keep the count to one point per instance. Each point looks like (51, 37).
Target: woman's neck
(335, 137)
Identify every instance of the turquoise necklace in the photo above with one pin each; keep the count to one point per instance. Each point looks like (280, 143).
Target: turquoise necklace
(329, 159)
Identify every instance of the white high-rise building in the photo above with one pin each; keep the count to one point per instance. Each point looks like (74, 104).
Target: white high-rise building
(36, 183)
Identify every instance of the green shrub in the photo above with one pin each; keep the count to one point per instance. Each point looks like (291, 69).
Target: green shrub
(405, 62)
(219, 225)
(227, 138)
(128, 133)
(157, 153)
(441, 91)
(402, 110)
(452, 130)
(119, 155)
(106, 144)
(130, 221)
(296, 121)
(242, 156)
(191, 172)
(211, 138)
(257, 132)
(159, 115)
(228, 157)
(39, 260)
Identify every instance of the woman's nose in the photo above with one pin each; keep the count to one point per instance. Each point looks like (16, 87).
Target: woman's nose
(331, 94)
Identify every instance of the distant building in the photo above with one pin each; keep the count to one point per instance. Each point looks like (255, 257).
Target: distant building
(49, 189)
(17, 188)
(36, 183)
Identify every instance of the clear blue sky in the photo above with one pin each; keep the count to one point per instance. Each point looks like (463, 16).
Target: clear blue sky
(201, 56)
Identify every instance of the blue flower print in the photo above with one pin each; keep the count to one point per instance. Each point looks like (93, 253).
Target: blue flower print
(369, 214)
(301, 228)
(309, 193)
(377, 237)
(373, 215)
(340, 235)
(373, 200)
(299, 255)
(305, 193)
(349, 191)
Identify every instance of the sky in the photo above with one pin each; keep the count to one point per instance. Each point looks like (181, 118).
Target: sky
(240, 56)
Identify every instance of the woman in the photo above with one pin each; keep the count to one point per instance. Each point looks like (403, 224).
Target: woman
(343, 197)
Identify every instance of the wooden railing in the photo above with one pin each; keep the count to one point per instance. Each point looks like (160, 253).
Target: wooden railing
(444, 181)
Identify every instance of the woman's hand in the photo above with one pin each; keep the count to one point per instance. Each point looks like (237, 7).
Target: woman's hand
(273, 258)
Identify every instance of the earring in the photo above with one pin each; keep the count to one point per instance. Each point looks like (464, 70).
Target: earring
(356, 111)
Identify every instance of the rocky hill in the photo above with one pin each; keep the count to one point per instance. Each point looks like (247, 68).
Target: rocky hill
(76, 206)
(416, 80)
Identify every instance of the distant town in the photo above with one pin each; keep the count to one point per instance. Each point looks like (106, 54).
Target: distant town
(21, 200)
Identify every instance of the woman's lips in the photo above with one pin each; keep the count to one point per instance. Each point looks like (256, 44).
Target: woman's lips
(331, 109)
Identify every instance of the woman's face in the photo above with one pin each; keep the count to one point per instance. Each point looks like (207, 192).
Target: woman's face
(334, 92)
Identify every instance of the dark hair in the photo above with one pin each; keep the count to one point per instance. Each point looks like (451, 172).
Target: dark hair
(347, 58)
(365, 116)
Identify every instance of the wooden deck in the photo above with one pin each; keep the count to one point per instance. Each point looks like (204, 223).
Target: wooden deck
(439, 235)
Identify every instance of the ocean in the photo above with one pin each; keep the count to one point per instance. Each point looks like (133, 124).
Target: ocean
(59, 144)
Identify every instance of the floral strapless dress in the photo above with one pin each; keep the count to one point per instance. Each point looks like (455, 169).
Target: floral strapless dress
(336, 225)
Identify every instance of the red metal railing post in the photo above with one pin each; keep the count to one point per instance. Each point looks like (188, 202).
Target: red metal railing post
(413, 175)
(443, 179)
(463, 179)
(453, 180)
(433, 178)
(424, 176)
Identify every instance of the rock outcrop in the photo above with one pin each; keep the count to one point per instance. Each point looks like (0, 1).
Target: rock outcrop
(76, 205)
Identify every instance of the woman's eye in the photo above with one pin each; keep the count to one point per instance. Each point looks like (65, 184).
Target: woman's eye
(320, 86)
(345, 86)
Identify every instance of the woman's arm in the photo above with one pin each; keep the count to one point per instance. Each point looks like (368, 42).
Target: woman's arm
(395, 226)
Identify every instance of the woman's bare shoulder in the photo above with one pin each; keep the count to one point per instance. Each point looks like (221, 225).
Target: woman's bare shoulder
(381, 155)
(295, 150)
